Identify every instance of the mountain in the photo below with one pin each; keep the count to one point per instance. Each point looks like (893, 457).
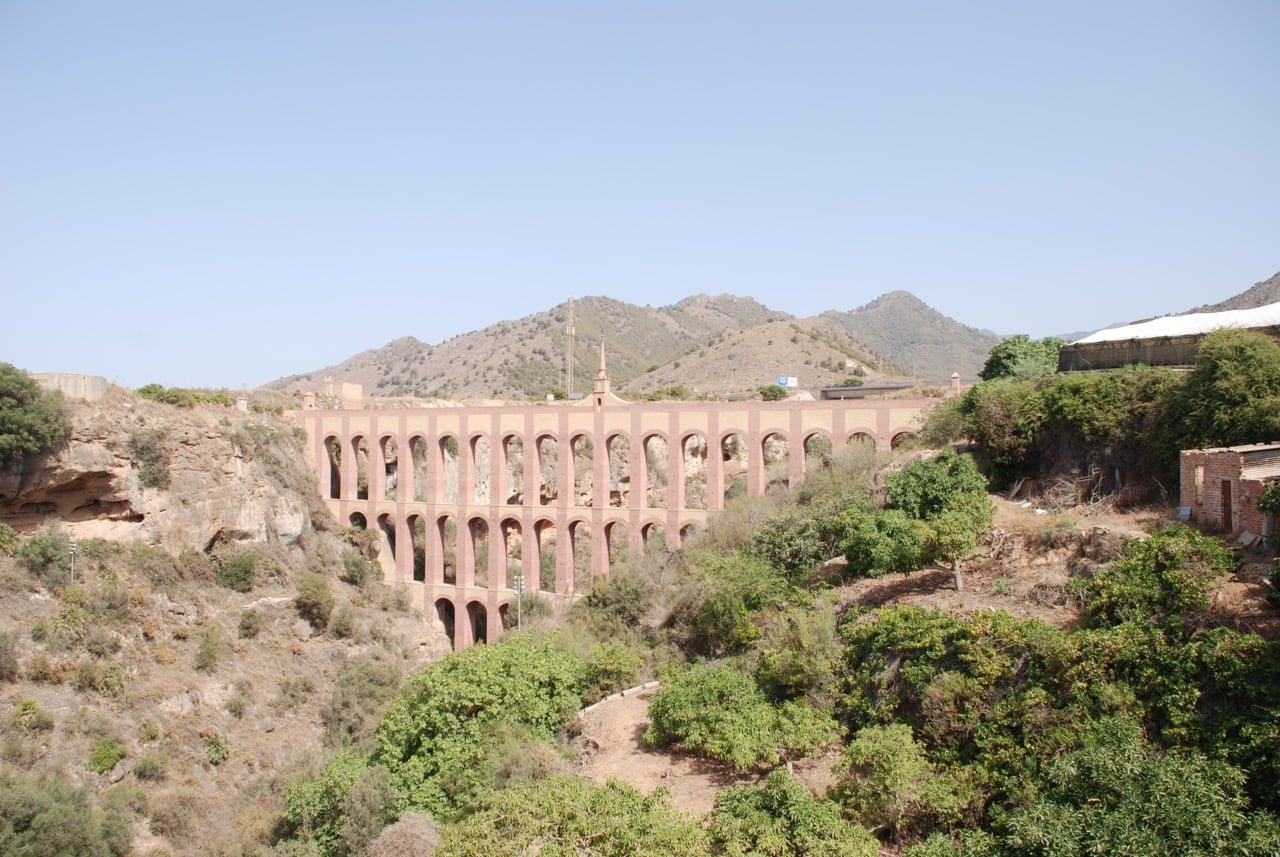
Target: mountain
(917, 337)
(814, 350)
(721, 343)
(525, 357)
(1260, 294)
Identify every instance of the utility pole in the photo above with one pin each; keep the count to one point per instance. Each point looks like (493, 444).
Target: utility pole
(518, 582)
(569, 368)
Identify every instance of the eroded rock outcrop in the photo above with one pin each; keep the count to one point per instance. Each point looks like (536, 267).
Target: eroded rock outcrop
(222, 476)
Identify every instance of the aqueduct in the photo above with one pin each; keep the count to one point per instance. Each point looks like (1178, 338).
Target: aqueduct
(464, 498)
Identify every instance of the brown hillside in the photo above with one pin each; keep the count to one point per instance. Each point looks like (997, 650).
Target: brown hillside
(1260, 294)
(526, 357)
(814, 350)
(923, 341)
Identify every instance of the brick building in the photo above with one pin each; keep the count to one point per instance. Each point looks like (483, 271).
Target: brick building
(1221, 486)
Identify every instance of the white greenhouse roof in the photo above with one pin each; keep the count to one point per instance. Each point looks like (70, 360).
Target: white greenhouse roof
(1189, 325)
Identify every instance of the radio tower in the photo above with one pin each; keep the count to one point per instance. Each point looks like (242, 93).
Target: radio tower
(569, 369)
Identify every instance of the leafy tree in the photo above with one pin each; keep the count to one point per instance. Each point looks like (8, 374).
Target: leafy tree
(434, 734)
(885, 542)
(31, 420)
(772, 392)
(564, 816)
(783, 820)
(51, 818)
(340, 812)
(721, 713)
(924, 487)
(1022, 357)
(888, 782)
(716, 609)
(1232, 396)
(955, 532)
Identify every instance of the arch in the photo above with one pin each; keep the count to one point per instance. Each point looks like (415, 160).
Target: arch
(446, 614)
(655, 461)
(505, 619)
(817, 450)
(418, 536)
(512, 493)
(387, 546)
(513, 547)
(580, 545)
(689, 531)
(418, 457)
(862, 439)
(358, 520)
(447, 453)
(360, 449)
(545, 540)
(653, 536)
(584, 457)
(447, 537)
(480, 453)
(478, 528)
(614, 548)
(548, 469)
(775, 452)
(733, 454)
(478, 616)
(901, 438)
(389, 449)
(618, 448)
(332, 462)
(693, 461)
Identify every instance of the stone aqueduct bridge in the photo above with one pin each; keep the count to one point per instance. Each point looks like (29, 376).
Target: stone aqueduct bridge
(605, 474)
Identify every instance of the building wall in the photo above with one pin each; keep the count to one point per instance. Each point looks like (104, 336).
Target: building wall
(89, 388)
(1202, 474)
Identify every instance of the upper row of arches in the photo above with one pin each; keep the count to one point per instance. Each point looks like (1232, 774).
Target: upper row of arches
(658, 474)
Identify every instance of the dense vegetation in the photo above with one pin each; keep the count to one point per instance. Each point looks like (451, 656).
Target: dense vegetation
(1124, 427)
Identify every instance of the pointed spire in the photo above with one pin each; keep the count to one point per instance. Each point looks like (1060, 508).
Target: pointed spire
(602, 378)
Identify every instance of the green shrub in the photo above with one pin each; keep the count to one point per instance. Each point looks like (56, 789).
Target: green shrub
(1158, 578)
(48, 816)
(147, 448)
(46, 553)
(341, 812)
(534, 610)
(357, 570)
(363, 689)
(781, 819)
(925, 487)
(314, 601)
(216, 749)
(29, 717)
(8, 540)
(343, 623)
(104, 754)
(772, 393)
(566, 815)
(719, 712)
(8, 657)
(235, 571)
(210, 650)
(250, 624)
(236, 706)
(150, 766)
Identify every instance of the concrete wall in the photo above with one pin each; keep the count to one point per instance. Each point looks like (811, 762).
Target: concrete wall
(89, 388)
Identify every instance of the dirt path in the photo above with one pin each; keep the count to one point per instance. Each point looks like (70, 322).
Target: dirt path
(614, 734)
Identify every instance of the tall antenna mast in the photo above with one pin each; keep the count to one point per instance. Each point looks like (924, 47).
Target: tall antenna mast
(569, 369)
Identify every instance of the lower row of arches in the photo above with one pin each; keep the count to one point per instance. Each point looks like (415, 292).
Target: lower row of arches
(435, 553)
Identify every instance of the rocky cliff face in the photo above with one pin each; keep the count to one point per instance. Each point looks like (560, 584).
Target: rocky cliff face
(215, 476)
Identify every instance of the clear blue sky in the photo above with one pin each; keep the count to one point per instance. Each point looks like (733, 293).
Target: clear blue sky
(221, 193)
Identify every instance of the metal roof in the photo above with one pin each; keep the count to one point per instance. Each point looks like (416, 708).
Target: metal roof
(1194, 324)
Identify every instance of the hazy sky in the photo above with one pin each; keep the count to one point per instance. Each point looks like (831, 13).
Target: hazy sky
(221, 193)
